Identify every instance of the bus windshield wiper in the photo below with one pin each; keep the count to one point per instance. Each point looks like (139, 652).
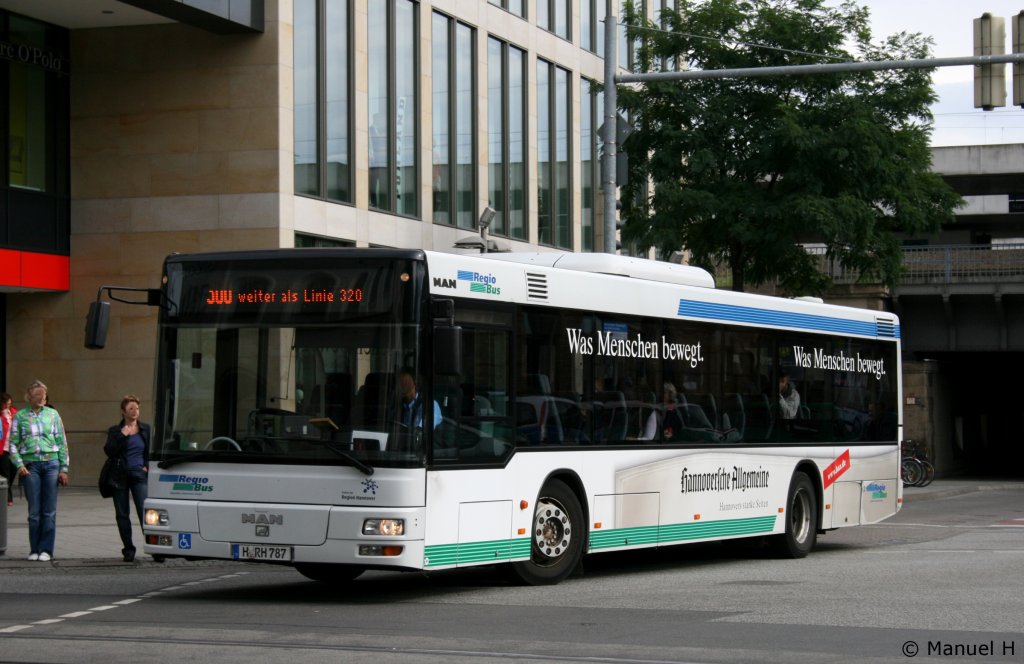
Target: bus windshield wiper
(173, 461)
(366, 468)
(362, 466)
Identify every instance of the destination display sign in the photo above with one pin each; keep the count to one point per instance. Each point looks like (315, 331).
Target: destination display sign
(252, 288)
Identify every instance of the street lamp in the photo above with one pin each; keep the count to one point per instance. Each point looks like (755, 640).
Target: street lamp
(486, 217)
(481, 243)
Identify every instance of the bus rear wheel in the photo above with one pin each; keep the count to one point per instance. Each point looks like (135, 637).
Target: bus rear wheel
(801, 519)
(328, 573)
(558, 535)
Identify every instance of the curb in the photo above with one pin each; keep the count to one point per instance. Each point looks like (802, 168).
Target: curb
(9, 565)
(950, 492)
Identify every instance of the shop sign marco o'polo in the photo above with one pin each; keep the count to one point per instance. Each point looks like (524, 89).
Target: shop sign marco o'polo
(34, 55)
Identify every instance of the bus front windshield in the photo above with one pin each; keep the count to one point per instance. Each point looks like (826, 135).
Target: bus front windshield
(310, 381)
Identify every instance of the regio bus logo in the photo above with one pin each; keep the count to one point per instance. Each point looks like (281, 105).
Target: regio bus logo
(480, 283)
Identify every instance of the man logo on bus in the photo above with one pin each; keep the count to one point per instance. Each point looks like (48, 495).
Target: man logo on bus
(480, 283)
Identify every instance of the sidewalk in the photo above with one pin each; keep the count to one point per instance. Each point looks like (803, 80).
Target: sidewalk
(87, 534)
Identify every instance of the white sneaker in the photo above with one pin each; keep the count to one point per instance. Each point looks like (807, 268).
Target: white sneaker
(33, 556)
(44, 557)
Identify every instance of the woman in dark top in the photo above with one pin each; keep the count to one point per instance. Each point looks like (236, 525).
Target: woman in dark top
(129, 442)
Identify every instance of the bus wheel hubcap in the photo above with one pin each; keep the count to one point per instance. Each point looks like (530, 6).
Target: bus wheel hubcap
(552, 529)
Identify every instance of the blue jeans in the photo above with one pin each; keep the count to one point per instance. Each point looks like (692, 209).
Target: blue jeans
(134, 484)
(41, 492)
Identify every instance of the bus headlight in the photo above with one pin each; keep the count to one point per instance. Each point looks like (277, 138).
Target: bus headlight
(385, 527)
(156, 517)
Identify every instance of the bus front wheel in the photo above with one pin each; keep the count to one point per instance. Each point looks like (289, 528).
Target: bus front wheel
(328, 573)
(557, 537)
(801, 519)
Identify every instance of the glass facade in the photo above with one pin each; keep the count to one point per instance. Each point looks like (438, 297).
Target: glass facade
(506, 138)
(667, 7)
(554, 180)
(337, 85)
(591, 117)
(35, 191)
(306, 240)
(324, 118)
(517, 7)
(393, 66)
(555, 16)
(627, 49)
(454, 122)
(592, 15)
(323, 91)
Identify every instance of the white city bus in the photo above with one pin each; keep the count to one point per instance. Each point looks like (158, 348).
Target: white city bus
(567, 404)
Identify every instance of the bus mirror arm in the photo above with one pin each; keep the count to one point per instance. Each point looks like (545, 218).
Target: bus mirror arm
(447, 338)
(447, 350)
(98, 319)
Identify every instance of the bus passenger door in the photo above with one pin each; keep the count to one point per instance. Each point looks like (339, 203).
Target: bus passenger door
(475, 406)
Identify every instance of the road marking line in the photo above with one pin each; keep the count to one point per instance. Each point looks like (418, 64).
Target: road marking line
(124, 602)
(919, 525)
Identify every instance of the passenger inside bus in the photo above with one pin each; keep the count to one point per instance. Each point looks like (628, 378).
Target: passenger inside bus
(789, 398)
(665, 423)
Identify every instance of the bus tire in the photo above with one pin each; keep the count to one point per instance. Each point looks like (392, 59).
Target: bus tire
(801, 519)
(329, 573)
(558, 534)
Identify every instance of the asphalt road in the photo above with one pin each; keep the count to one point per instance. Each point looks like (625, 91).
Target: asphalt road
(940, 581)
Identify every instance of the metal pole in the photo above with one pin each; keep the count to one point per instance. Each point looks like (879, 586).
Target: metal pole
(611, 115)
(611, 79)
(870, 65)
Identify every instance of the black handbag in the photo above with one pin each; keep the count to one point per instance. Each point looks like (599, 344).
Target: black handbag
(111, 477)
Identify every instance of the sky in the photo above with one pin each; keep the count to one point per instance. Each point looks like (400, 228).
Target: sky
(950, 24)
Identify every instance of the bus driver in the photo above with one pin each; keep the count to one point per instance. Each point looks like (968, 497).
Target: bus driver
(411, 410)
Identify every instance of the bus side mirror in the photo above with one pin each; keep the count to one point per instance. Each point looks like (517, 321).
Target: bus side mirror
(98, 320)
(448, 350)
(96, 324)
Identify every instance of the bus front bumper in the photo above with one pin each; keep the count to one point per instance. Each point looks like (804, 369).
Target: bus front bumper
(282, 533)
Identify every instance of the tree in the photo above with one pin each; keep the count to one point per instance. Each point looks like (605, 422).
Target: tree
(744, 170)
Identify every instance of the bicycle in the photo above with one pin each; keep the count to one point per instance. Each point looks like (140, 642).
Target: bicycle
(915, 468)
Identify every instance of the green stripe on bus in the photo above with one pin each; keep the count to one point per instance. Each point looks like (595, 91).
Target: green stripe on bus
(680, 532)
(446, 555)
(440, 555)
